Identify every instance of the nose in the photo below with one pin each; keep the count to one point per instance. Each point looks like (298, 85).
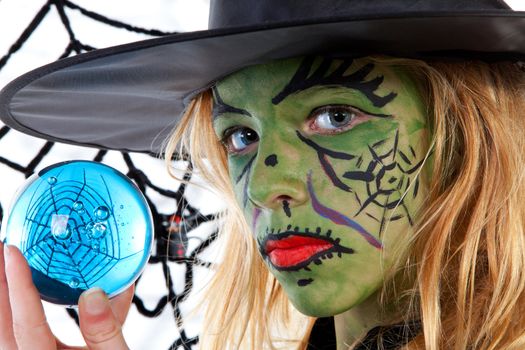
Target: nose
(278, 181)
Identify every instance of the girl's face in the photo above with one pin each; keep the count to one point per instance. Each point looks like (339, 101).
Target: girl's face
(325, 157)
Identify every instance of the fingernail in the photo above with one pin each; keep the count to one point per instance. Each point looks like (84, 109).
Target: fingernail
(96, 301)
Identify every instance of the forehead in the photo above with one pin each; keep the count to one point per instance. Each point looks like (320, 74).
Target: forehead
(265, 79)
(297, 74)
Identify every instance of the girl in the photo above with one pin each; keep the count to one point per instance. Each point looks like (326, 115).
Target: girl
(386, 194)
(383, 191)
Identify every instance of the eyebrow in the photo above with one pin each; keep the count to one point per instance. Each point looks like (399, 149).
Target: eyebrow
(302, 80)
(220, 107)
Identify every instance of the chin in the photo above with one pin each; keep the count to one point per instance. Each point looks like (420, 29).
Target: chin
(325, 297)
(319, 309)
(308, 301)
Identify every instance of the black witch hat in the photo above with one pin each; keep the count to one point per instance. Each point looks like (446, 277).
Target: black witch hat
(129, 97)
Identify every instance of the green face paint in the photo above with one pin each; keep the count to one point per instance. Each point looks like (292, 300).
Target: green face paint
(325, 157)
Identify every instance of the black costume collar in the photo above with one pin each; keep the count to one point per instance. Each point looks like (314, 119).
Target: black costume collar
(391, 337)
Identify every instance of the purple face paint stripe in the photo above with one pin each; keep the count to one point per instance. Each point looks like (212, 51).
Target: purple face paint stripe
(337, 217)
(255, 217)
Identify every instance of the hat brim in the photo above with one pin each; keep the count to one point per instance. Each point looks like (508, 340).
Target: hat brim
(129, 97)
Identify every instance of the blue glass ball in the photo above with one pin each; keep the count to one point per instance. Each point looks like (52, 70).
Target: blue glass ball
(80, 224)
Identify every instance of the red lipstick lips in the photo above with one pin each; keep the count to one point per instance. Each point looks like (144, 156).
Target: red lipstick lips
(294, 250)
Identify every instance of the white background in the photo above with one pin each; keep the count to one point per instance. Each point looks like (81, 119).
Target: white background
(45, 45)
(49, 41)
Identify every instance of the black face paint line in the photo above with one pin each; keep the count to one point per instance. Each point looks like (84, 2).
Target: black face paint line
(271, 160)
(220, 107)
(245, 173)
(387, 177)
(286, 208)
(322, 154)
(303, 80)
(304, 282)
(245, 170)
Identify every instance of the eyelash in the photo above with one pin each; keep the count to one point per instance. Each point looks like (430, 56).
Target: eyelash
(356, 117)
(312, 122)
(226, 139)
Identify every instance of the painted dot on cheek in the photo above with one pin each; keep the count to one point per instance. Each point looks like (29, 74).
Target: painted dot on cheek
(271, 160)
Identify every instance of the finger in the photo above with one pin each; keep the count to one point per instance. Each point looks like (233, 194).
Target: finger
(121, 304)
(29, 321)
(98, 324)
(7, 337)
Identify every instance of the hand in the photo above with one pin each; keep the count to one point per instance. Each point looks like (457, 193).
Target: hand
(23, 324)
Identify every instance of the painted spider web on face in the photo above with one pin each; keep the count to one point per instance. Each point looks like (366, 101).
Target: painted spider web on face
(385, 188)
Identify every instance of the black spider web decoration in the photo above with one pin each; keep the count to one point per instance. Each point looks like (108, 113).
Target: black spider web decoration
(171, 229)
(383, 189)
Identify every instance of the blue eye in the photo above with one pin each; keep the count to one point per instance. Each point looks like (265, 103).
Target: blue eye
(334, 119)
(239, 139)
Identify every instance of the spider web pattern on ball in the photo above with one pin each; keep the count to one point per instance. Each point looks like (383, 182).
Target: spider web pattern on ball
(76, 261)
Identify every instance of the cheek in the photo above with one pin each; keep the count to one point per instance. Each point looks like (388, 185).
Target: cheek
(239, 181)
(346, 283)
(240, 170)
(384, 180)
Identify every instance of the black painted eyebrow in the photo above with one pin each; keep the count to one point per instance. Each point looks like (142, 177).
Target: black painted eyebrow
(220, 107)
(301, 81)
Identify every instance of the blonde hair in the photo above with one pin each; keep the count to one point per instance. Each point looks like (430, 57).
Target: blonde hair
(468, 253)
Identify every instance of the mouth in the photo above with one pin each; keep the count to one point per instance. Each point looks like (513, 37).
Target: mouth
(295, 250)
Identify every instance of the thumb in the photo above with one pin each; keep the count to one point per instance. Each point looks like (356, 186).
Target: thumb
(98, 324)
(121, 304)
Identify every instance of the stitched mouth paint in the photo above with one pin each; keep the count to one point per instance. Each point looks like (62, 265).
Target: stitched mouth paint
(292, 251)
(337, 217)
